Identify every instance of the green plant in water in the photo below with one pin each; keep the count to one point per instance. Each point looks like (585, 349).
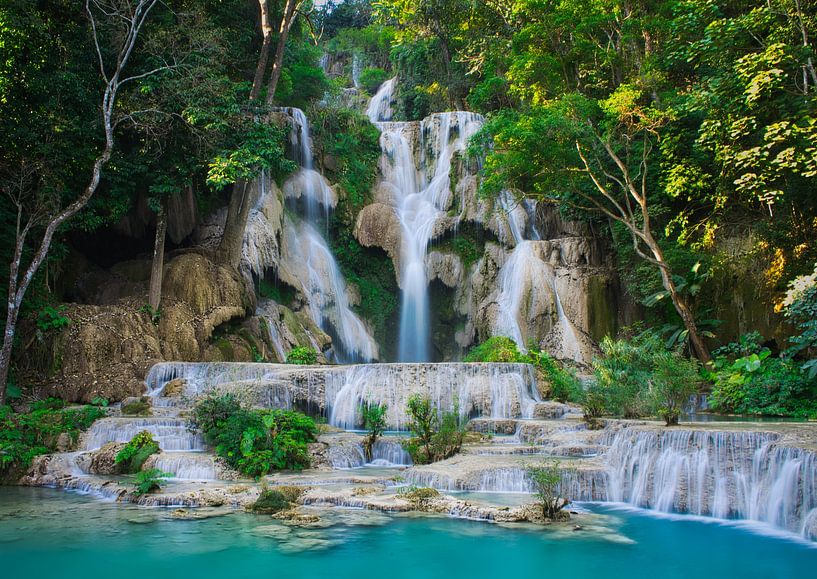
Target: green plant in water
(546, 480)
(254, 441)
(374, 421)
(435, 437)
(148, 481)
(136, 452)
(302, 355)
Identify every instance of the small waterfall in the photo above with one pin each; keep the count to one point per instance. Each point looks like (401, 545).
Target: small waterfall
(379, 109)
(386, 453)
(170, 433)
(497, 390)
(310, 259)
(357, 65)
(187, 466)
(742, 475)
(521, 291)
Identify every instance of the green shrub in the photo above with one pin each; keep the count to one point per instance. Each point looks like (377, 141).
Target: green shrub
(269, 502)
(547, 481)
(148, 481)
(496, 349)
(747, 379)
(139, 407)
(800, 307)
(638, 377)
(371, 78)
(302, 355)
(136, 452)
(434, 437)
(254, 441)
(26, 435)
(374, 421)
(52, 318)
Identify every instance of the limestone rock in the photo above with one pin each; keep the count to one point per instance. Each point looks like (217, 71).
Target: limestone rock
(378, 226)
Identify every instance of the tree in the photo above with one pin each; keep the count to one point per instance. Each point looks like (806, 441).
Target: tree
(238, 209)
(546, 480)
(374, 421)
(123, 21)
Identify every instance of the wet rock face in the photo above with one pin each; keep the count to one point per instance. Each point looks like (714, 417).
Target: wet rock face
(102, 461)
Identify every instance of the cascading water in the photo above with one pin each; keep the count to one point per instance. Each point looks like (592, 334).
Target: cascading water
(744, 475)
(306, 255)
(521, 288)
(420, 180)
(357, 65)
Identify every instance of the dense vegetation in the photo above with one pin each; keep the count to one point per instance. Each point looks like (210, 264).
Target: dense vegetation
(26, 435)
(436, 435)
(254, 442)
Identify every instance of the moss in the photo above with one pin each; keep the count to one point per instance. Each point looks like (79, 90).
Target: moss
(468, 244)
(139, 407)
(601, 302)
(277, 291)
(225, 348)
(270, 502)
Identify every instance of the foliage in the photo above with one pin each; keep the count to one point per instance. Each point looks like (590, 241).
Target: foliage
(747, 379)
(564, 385)
(374, 421)
(254, 441)
(419, 497)
(801, 307)
(435, 436)
(52, 318)
(269, 502)
(26, 435)
(139, 407)
(371, 78)
(496, 349)
(547, 481)
(136, 452)
(303, 356)
(148, 481)
(638, 376)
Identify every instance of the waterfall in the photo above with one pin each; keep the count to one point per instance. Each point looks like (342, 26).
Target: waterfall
(501, 391)
(521, 291)
(305, 253)
(186, 466)
(496, 390)
(170, 433)
(416, 167)
(741, 475)
(379, 109)
(357, 65)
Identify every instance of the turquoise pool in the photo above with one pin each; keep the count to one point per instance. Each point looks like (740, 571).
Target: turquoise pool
(50, 533)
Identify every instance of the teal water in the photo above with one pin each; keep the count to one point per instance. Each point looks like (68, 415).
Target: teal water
(49, 533)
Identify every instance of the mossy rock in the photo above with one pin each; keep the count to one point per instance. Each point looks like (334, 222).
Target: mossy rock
(270, 502)
(136, 407)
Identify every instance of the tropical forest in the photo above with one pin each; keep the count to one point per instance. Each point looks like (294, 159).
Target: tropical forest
(432, 288)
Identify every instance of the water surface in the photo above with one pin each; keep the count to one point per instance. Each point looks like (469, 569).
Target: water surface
(50, 533)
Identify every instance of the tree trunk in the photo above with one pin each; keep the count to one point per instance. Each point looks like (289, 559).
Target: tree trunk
(263, 58)
(287, 19)
(698, 346)
(157, 266)
(238, 211)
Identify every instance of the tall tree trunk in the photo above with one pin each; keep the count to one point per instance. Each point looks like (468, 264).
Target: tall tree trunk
(157, 266)
(263, 58)
(698, 346)
(238, 210)
(287, 19)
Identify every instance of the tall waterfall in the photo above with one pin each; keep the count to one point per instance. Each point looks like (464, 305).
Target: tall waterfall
(419, 178)
(305, 253)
